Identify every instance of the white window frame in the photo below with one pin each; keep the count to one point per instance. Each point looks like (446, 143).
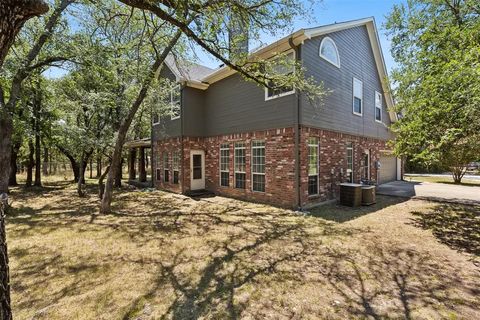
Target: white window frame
(316, 145)
(362, 105)
(235, 164)
(267, 98)
(264, 165)
(325, 57)
(175, 165)
(378, 105)
(350, 148)
(220, 164)
(172, 102)
(158, 119)
(166, 166)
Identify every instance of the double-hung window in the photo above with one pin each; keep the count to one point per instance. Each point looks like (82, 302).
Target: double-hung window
(281, 68)
(350, 162)
(157, 166)
(175, 94)
(224, 165)
(312, 166)
(176, 166)
(378, 106)
(240, 165)
(357, 97)
(258, 166)
(166, 168)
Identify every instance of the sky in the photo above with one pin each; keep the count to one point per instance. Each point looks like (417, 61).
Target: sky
(331, 11)
(325, 12)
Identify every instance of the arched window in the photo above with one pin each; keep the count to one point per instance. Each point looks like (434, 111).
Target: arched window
(329, 52)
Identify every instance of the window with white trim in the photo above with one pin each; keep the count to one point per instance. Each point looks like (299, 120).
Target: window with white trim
(258, 166)
(357, 97)
(157, 165)
(349, 161)
(240, 165)
(329, 51)
(378, 106)
(312, 166)
(175, 94)
(155, 118)
(225, 165)
(176, 166)
(166, 168)
(285, 68)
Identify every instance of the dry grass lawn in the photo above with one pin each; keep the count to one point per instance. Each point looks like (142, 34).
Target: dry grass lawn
(165, 256)
(446, 180)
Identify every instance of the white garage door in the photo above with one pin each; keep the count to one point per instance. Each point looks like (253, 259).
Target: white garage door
(388, 169)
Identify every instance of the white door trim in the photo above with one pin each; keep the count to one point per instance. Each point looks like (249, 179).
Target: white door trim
(197, 184)
(399, 169)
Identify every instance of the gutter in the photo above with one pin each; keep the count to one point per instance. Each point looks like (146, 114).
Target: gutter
(296, 128)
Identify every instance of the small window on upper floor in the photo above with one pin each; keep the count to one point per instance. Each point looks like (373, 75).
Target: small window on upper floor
(175, 102)
(329, 52)
(281, 67)
(378, 106)
(357, 97)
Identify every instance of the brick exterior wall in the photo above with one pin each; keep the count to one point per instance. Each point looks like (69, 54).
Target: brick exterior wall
(333, 161)
(279, 164)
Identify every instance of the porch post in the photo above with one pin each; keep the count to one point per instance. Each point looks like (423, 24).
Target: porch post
(131, 164)
(142, 174)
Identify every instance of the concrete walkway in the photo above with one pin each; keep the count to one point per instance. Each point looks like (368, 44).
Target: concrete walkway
(431, 191)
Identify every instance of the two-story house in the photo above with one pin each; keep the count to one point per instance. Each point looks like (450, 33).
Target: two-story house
(237, 139)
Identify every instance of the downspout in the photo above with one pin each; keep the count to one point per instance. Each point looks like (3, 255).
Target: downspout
(296, 128)
(182, 153)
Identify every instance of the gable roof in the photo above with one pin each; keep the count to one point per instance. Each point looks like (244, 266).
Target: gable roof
(186, 70)
(298, 38)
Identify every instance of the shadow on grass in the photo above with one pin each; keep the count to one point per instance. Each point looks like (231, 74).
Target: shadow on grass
(455, 225)
(339, 213)
(229, 261)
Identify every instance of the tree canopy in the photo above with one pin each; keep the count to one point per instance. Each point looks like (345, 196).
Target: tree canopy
(436, 44)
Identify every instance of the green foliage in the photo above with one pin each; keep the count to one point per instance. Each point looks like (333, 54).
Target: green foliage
(437, 47)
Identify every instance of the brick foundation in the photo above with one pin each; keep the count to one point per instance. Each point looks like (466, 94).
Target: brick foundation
(279, 164)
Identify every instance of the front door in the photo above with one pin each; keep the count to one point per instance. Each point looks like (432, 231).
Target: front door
(197, 170)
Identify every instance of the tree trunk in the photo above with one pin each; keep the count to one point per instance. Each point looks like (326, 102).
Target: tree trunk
(142, 174)
(13, 14)
(31, 151)
(81, 174)
(91, 168)
(122, 132)
(131, 164)
(6, 130)
(457, 174)
(38, 161)
(45, 161)
(118, 175)
(12, 181)
(101, 186)
(5, 308)
(73, 162)
(99, 166)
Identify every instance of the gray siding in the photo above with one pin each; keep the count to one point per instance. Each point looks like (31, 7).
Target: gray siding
(193, 112)
(356, 60)
(166, 128)
(235, 105)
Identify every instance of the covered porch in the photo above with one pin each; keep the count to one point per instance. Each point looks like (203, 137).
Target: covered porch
(139, 162)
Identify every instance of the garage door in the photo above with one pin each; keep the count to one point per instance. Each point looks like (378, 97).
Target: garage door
(388, 169)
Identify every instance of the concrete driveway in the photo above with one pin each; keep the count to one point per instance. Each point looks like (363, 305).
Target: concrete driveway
(431, 191)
